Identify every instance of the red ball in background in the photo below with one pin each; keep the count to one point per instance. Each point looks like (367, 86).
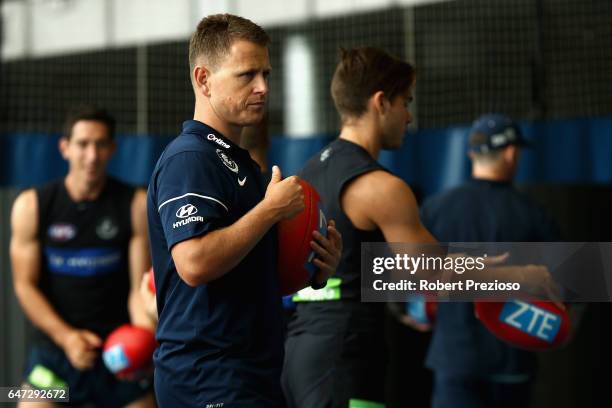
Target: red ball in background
(421, 309)
(295, 256)
(431, 310)
(151, 281)
(128, 350)
(531, 325)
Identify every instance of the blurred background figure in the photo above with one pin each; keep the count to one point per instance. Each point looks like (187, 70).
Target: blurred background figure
(78, 250)
(335, 340)
(472, 367)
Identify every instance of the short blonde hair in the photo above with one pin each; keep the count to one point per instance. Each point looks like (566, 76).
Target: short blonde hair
(215, 34)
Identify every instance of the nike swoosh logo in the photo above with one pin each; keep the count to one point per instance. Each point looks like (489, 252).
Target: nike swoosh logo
(241, 182)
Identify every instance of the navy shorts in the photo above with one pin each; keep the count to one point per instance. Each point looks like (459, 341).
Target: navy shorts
(334, 370)
(48, 367)
(456, 391)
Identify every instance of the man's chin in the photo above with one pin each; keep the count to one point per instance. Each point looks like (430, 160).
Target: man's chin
(94, 177)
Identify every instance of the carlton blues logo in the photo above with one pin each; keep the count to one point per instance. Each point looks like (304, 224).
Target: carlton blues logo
(107, 228)
(229, 163)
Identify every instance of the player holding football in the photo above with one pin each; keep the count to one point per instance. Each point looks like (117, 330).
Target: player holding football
(212, 238)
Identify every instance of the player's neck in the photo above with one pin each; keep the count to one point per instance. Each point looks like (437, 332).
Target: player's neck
(205, 113)
(259, 155)
(363, 134)
(491, 174)
(83, 190)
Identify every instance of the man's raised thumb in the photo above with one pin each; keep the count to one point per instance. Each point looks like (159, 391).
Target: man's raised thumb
(276, 174)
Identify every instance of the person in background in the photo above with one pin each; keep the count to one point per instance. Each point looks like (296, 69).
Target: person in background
(472, 368)
(78, 250)
(336, 350)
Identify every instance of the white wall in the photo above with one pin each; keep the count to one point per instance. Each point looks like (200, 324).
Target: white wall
(14, 29)
(139, 21)
(273, 12)
(69, 25)
(299, 87)
(34, 28)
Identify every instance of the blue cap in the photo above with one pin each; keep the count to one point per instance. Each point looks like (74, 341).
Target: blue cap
(494, 131)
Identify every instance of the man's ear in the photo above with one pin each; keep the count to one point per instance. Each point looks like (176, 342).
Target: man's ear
(379, 102)
(62, 145)
(201, 79)
(511, 154)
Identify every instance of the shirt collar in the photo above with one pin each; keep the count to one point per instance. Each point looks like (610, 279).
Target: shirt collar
(491, 183)
(210, 135)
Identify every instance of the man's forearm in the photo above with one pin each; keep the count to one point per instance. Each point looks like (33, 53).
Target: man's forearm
(41, 313)
(216, 253)
(138, 314)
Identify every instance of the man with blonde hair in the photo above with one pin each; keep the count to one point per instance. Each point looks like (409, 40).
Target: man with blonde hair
(212, 234)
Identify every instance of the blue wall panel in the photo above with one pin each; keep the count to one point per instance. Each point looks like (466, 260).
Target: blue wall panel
(570, 151)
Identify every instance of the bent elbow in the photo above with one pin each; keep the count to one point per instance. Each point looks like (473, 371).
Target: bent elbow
(188, 275)
(194, 275)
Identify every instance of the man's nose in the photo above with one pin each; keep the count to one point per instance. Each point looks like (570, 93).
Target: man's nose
(91, 153)
(261, 85)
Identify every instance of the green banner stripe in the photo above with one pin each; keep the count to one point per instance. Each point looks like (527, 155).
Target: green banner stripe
(42, 377)
(357, 403)
(319, 295)
(333, 283)
(331, 291)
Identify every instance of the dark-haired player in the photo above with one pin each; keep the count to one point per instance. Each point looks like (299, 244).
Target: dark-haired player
(78, 250)
(335, 349)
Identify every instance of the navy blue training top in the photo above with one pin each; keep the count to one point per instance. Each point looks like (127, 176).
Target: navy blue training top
(220, 342)
(481, 211)
(330, 171)
(84, 271)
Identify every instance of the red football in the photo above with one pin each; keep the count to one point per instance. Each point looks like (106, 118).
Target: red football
(531, 325)
(129, 350)
(295, 256)
(151, 281)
